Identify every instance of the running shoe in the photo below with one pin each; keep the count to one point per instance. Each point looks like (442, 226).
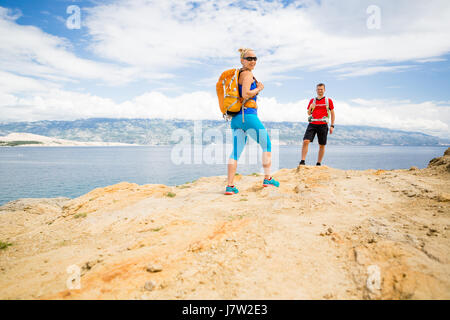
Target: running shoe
(231, 190)
(271, 182)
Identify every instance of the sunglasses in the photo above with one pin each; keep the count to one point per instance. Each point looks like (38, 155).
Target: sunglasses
(250, 58)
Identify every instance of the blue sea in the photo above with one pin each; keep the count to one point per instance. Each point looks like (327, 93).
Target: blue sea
(47, 172)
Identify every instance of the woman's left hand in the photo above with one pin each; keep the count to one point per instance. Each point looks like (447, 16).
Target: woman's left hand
(259, 86)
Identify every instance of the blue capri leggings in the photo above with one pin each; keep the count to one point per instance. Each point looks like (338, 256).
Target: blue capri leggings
(252, 127)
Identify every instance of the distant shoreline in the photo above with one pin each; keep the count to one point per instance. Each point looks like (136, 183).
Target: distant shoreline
(21, 139)
(171, 145)
(89, 145)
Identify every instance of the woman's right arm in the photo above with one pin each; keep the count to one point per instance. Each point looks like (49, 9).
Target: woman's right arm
(247, 79)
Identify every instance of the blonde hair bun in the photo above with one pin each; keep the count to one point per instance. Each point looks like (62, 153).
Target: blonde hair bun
(243, 51)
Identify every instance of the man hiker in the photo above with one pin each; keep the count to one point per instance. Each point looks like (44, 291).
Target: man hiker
(320, 109)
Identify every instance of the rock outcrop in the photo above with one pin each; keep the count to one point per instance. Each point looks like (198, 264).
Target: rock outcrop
(324, 234)
(441, 163)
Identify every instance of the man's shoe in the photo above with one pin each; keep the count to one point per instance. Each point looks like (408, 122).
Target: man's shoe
(231, 190)
(302, 163)
(271, 182)
(318, 164)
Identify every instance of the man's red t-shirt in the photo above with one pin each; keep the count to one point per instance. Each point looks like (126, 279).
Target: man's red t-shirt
(320, 110)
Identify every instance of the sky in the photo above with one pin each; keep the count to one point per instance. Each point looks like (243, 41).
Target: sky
(384, 63)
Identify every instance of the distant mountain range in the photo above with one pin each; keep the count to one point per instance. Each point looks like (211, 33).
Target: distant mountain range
(159, 132)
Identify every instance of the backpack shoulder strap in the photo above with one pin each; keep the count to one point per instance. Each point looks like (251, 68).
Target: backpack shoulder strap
(243, 70)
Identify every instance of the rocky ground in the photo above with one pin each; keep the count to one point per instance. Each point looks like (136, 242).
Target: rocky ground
(324, 234)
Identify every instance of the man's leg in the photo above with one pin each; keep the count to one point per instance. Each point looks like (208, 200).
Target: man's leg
(321, 153)
(322, 136)
(305, 149)
(307, 138)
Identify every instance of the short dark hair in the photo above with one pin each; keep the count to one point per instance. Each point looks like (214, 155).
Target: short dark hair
(321, 85)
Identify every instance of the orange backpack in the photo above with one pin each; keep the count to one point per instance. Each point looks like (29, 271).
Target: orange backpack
(227, 89)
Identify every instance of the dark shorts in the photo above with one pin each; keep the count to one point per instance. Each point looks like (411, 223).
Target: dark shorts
(320, 129)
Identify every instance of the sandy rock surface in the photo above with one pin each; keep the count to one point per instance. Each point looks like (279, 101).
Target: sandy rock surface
(324, 234)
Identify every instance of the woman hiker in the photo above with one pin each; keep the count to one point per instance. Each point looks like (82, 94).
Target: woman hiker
(249, 123)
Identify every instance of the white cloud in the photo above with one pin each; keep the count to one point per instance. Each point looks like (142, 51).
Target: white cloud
(11, 83)
(146, 39)
(431, 60)
(175, 34)
(27, 50)
(365, 71)
(57, 104)
(428, 117)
